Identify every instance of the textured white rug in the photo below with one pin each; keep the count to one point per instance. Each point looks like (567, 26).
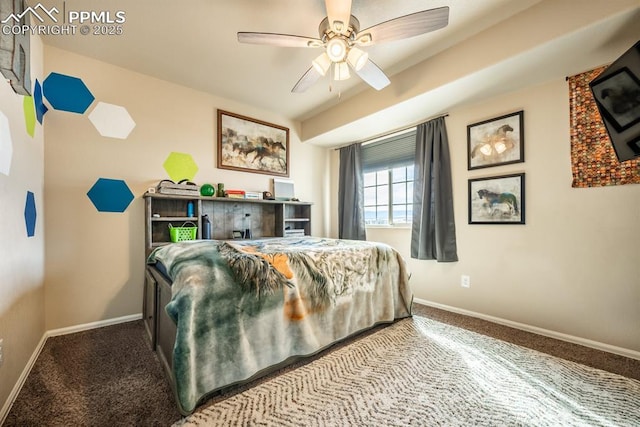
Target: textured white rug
(423, 372)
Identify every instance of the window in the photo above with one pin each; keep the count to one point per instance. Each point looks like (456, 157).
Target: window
(388, 196)
(388, 179)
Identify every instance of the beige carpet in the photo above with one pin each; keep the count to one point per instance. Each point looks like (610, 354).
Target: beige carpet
(424, 372)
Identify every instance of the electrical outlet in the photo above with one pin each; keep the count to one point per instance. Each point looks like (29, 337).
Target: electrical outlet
(1, 354)
(465, 281)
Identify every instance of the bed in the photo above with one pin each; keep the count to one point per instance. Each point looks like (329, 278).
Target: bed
(228, 312)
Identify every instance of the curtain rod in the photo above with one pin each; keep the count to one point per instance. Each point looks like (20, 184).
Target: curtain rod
(398, 130)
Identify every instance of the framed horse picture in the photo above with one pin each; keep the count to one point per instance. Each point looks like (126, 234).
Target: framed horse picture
(497, 141)
(497, 200)
(250, 145)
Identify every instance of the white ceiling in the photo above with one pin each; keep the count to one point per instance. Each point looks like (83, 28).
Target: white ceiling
(194, 43)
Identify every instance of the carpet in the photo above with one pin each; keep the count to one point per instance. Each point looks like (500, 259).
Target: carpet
(422, 372)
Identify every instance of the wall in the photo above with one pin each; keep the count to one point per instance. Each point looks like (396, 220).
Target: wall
(573, 268)
(95, 261)
(21, 257)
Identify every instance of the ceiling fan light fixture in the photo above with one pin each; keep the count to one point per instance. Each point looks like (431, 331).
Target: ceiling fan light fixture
(357, 58)
(341, 71)
(337, 49)
(322, 63)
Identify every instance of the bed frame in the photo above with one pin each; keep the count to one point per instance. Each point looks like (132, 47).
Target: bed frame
(160, 327)
(162, 332)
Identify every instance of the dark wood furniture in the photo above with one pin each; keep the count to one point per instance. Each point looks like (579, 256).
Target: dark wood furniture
(265, 218)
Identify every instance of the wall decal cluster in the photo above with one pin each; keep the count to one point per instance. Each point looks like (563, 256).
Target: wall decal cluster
(71, 94)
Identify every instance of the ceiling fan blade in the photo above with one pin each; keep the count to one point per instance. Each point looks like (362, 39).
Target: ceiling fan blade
(339, 14)
(405, 26)
(373, 75)
(273, 39)
(306, 81)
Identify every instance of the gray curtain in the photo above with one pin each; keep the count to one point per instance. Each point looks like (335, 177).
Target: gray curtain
(351, 194)
(433, 232)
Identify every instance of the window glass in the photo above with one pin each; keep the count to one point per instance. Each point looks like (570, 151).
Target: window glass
(382, 193)
(369, 179)
(382, 177)
(399, 193)
(399, 174)
(384, 207)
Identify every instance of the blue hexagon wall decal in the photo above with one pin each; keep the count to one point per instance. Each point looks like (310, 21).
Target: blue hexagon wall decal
(67, 93)
(41, 109)
(30, 214)
(110, 195)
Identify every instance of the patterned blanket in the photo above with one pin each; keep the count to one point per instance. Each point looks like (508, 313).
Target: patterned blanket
(244, 306)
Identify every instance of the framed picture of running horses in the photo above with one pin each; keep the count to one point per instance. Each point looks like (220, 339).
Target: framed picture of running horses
(497, 200)
(498, 141)
(251, 145)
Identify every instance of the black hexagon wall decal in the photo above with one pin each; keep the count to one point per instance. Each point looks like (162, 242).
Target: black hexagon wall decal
(30, 214)
(110, 195)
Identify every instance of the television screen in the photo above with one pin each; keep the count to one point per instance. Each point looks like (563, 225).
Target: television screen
(617, 95)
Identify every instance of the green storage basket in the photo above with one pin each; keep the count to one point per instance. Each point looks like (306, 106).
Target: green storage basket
(179, 234)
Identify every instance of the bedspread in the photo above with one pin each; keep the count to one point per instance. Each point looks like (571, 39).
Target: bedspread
(242, 307)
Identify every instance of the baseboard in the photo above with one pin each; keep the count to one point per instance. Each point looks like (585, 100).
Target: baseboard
(23, 377)
(52, 333)
(534, 329)
(93, 325)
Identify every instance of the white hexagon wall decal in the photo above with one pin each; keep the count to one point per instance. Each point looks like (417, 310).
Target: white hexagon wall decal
(6, 145)
(112, 121)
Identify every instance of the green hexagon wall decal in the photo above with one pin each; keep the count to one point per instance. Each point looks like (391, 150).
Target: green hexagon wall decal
(180, 166)
(29, 115)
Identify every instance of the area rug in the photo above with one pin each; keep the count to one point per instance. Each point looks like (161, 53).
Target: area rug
(422, 372)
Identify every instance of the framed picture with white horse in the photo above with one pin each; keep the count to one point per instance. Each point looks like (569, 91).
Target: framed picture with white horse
(497, 141)
(497, 200)
(251, 145)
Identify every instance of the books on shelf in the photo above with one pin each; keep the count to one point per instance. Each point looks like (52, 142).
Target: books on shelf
(166, 187)
(253, 195)
(235, 194)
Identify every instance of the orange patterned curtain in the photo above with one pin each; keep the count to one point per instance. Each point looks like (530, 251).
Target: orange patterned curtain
(593, 159)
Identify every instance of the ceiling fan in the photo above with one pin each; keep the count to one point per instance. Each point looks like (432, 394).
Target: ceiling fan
(340, 37)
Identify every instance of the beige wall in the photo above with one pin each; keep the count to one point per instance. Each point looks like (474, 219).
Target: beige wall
(573, 268)
(95, 261)
(21, 257)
